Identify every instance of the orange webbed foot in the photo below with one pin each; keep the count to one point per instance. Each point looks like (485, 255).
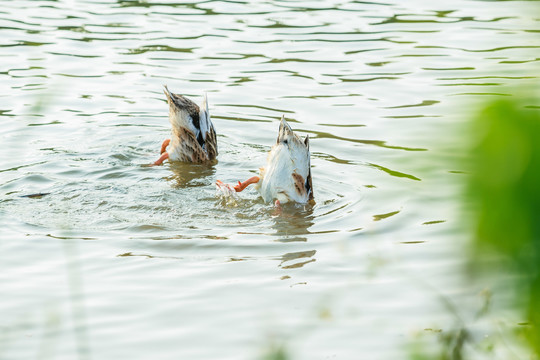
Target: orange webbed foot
(220, 184)
(225, 191)
(278, 209)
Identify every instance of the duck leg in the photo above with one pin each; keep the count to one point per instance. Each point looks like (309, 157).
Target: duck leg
(162, 158)
(164, 145)
(228, 189)
(278, 210)
(242, 185)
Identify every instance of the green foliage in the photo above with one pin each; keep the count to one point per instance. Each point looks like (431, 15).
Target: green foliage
(450, 345)
(506, 178)
(504, 187)
(275, 352)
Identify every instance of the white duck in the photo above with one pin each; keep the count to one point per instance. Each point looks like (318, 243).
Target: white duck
(287, 174)
(193, 137)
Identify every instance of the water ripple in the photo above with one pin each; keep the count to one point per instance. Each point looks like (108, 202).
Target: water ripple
(374, 84)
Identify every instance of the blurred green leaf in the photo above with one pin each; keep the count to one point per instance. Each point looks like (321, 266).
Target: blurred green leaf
(504, 188)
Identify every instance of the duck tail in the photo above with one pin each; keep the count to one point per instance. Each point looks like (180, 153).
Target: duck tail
(205, 123)
(167, 93)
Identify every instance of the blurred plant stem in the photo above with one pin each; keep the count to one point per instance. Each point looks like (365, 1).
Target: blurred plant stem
(77, 299)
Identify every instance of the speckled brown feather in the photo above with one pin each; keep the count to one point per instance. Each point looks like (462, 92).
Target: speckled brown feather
(185, 144)
(299, 184)
(190, 150)
(182, 102)
(211, 144)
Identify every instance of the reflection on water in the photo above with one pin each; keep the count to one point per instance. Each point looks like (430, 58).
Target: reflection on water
(293, 222)
(298, 259)
(376, 85)
(189, 175)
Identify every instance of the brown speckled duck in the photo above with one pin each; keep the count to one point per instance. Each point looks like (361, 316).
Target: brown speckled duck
(287, 174)
(193, 137)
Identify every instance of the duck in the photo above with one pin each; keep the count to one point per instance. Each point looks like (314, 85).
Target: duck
(286, 177)
(193, 136)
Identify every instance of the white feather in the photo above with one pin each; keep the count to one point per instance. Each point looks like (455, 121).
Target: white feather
(283, 160)
(204, 117)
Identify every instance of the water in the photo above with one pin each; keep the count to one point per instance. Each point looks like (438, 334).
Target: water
(121, 260)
